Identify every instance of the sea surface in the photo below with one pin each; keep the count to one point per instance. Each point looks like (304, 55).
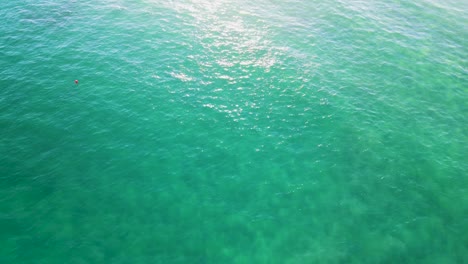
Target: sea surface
(233, 131)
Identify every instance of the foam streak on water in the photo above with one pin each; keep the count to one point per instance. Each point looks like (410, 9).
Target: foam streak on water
(233, 131)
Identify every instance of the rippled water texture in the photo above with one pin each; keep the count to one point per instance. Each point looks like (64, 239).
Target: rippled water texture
(216, 131)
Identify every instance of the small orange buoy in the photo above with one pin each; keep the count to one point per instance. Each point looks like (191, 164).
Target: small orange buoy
(76, 81)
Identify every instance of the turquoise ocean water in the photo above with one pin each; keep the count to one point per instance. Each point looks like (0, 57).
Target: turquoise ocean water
(216, 131)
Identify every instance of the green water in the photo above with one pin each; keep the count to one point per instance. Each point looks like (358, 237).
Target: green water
(216, 131)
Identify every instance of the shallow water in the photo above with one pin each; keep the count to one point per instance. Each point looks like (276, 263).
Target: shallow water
(233, 131)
